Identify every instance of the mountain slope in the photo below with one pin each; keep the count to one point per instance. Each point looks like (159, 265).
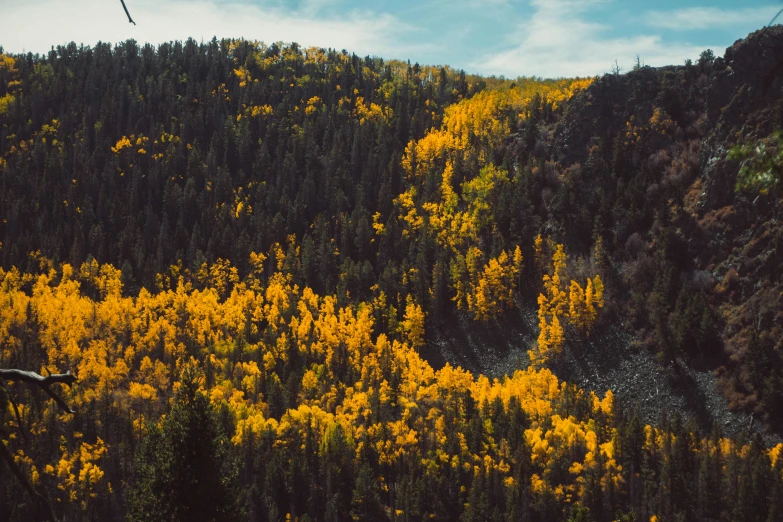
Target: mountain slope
(266, 241)
(641, 160)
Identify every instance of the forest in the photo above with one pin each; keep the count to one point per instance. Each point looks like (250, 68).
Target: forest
(244, 251)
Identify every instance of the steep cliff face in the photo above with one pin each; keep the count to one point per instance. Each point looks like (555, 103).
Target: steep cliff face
(694, 265)
(721, 102)
(746, 84)
(741, 232)
(671, 130)
(743, 102)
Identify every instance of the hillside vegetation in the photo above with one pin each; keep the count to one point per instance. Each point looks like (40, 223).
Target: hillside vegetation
(241, 250)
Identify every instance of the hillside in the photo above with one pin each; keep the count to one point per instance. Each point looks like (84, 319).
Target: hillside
(706, 228)
(300, 284)
(719, 246)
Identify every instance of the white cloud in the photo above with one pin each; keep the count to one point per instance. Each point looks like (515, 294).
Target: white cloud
(558, 41)
(37, 25)
(693, 18)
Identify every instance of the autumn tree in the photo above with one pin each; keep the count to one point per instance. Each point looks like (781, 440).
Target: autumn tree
(413, 323)
(578, 307)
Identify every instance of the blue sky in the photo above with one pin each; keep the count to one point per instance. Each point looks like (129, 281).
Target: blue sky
(548, 38)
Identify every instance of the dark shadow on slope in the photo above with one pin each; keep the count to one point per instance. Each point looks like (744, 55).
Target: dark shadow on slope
(685, 385)
(609, 360)
(494, 348)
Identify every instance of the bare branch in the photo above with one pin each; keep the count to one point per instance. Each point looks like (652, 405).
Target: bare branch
(66, 378)
(11, 374)
(127, 13)
(775, 18)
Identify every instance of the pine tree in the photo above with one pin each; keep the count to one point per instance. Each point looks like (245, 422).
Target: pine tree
(366, 505)
(185, 471)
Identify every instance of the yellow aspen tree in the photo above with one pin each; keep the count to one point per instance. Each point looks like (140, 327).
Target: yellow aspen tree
(538, 248)
(518, 265)
(478, 304)
(593, 299)
(474, 273)
(590, 311)
(458, 271)
(500, 275)
(551, 339)
(543, 306)
(554, 284)
(413, 323)
(256, 266)
(577, 306)
(598, 289)
(543, 336)
(540, 353)
(559, 263)
(473, 263)
(556, 336)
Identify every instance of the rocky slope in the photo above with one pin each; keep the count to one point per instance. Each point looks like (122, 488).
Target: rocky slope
(646, 154)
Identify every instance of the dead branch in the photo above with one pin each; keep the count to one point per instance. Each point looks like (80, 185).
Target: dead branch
(66, 378)
(127, 13)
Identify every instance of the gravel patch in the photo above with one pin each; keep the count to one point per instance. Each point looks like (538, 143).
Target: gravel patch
(607, 361)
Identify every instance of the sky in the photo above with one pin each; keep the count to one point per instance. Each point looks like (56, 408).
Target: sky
(545, 38)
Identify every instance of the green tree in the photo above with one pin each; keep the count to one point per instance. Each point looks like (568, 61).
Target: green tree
(366, 503)
(761, 164)
(184, 469)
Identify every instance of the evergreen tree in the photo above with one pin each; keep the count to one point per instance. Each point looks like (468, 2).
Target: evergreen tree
(185, 470)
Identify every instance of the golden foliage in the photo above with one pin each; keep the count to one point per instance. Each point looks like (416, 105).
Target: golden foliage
(126, 349)
(490, 290)
(413, 324)
(476, 126)
(458, 216)
(578, 306)
(6, 102)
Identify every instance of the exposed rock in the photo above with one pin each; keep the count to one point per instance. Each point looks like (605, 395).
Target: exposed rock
(735, 241)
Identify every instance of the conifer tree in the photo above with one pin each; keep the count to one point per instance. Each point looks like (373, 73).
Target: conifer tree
(185, 470)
